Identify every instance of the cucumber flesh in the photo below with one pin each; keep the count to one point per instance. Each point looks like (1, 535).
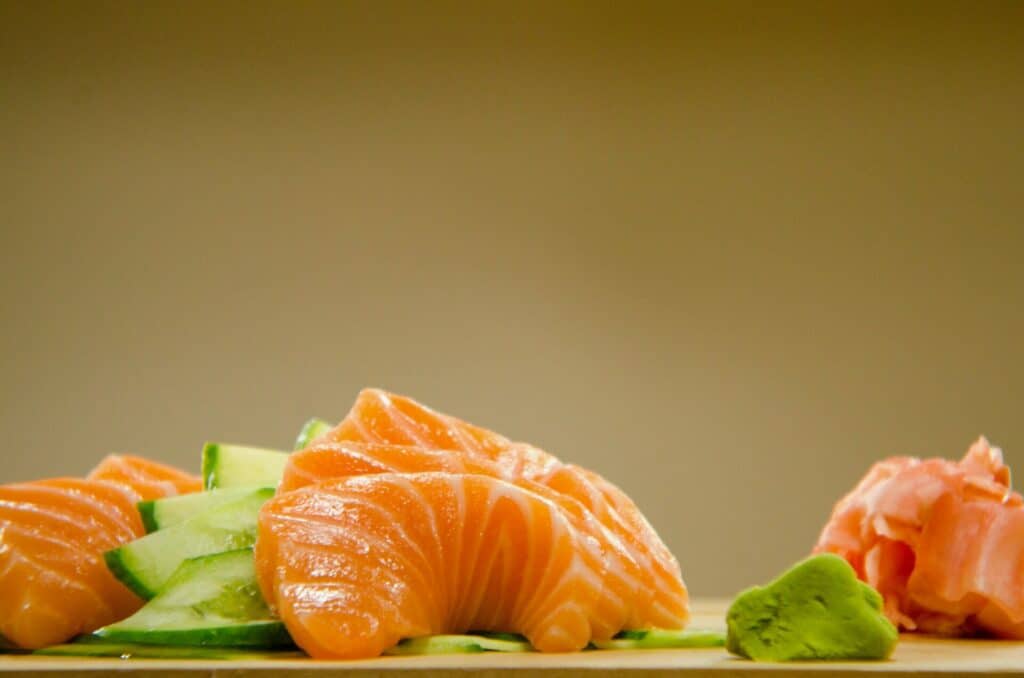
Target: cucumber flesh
(646, 639)
(134, 650)
(500, 635)
(650, 639)
(312, 429)
(145, 565)
(158, 514)
(240, 466)
(457, 644)
(209, 601)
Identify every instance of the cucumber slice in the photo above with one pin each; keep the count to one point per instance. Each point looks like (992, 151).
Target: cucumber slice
(210, 601)
(458, 644)
(133, 650)
(240, 466)
(158, 514)
(146, 564)
(500, 635)
(649, 639)
(313, 428)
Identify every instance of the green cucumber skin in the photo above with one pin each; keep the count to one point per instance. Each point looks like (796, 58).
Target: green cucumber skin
(215, 455)
(265, 634)
(645, 639)
(651, 639)
(148, 515)
(158, 514)
(412, 647)
(143, 576)
(500, 635)
(311, 430)
(125, 574)
(208, 601)
(209, 470)
(456, 644)
(100, 648)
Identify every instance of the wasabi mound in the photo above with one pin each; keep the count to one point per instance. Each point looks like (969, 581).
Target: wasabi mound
(818, 610)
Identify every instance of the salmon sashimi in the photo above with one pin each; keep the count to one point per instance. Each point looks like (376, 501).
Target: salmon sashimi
(667, 606)
(355, 564)
(381, 417)
(941, 541)
(629, 588)
(327, 460)
(149, 479)
(54, 583)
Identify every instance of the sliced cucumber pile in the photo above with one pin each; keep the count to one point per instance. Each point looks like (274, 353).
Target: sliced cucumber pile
(209, 601)
(159, 514)
(646, 639)
(239, 466)
(459, 644)
(650, 639)
(146, 564)
(313, 429)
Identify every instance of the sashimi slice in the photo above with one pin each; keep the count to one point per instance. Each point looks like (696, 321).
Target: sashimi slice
(667, 606)
(328, 460)
(150, 479)
(381, 417)
(353, 565)
(629, 587)
(912, 529)
(54, 583)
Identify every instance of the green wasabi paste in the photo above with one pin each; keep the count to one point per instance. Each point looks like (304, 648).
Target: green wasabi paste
(817, 610)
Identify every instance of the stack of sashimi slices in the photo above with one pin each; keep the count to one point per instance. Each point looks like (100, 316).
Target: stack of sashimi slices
(400, 530)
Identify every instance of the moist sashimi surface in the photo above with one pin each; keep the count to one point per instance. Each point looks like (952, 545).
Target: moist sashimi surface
(54, 583)
(355, 564)
(628, 585)
(667, 606)
(380, 417)
(149, 479)
(940, 540)
(326, 460)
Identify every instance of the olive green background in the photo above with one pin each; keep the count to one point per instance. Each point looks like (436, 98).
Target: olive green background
(726, 254)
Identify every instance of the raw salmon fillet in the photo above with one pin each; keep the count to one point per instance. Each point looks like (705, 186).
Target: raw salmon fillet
(328, 460)
(54, 583)
(629, 589)
(385, 418)
(381, 417)
(355, 564)
(942, 542)
(149, 479)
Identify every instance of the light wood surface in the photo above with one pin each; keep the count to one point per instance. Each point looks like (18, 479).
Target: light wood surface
(914, 656)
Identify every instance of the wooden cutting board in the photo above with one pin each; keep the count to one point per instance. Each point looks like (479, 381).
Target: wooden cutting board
(913, 656)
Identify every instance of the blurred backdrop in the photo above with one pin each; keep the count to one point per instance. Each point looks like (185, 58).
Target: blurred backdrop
(726, 254)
